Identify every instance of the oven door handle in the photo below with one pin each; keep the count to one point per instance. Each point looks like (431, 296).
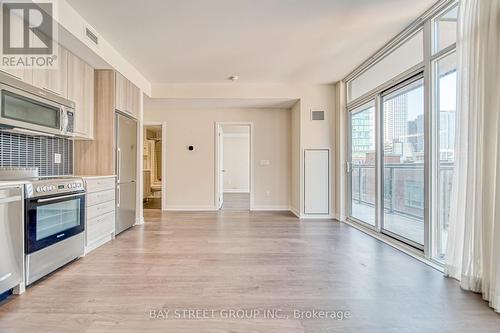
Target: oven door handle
(61, 197)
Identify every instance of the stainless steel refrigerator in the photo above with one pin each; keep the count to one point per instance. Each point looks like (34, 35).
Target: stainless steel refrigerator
(126, 171)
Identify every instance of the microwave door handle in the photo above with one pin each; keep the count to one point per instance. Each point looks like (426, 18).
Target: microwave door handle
(64, 120)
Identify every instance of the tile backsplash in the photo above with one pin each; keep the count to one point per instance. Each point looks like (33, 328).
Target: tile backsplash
(18, 150)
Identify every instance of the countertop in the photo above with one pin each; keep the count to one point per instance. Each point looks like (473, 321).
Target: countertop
(96, 177)
(7, 183)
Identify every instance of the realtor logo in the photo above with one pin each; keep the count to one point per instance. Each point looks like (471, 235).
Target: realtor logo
(28, 31)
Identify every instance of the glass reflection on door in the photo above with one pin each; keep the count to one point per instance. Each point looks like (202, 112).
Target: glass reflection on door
(403, 162)
(362, 171)
(446, 105)
(57, 217)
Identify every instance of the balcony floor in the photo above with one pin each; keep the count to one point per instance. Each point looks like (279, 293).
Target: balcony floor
(405, 226)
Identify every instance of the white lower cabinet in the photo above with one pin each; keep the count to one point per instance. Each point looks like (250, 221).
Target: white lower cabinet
(100, 214)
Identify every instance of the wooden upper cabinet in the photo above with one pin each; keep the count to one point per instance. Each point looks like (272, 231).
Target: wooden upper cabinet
(16, 32)
(25, 75)
(121, 92)
(54, 80)
(135, 99)
(81, 91)
(127, 96)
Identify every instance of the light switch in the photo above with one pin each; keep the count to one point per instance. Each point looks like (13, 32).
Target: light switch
(57, 158)
(265, 162)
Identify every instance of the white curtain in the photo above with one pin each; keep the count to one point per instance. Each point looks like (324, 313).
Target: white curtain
(473, 254)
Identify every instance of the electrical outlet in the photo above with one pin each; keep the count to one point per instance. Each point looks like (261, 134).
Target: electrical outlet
(57, 158)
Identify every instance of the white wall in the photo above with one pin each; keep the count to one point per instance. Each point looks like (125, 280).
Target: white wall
(236, 155)
(190, 175)
(307, 134)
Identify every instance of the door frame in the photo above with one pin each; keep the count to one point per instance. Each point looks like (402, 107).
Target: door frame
(163, 158)
(217, 189)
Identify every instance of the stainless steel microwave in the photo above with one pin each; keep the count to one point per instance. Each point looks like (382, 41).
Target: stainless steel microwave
(24, 108)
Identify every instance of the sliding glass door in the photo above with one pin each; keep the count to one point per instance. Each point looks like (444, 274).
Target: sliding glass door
(403, 153)
(401, 108)
(363, 175)
(444, 133)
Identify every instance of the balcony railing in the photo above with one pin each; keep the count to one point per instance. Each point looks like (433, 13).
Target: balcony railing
(403, 188)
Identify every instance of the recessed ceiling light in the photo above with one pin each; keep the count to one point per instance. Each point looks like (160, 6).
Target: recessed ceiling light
(234, 77)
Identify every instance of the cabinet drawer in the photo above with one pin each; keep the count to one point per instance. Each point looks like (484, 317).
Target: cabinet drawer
(100, 226)
(100, 209)
(96, 198)
(100, 184)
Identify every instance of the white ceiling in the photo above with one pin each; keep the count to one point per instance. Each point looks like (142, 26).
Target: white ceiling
(262, 41)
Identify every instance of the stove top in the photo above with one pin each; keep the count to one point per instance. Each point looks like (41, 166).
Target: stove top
(49, 186)
(40, 186)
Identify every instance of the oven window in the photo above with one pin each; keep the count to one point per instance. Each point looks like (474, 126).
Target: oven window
(55, 218)
(20, 108)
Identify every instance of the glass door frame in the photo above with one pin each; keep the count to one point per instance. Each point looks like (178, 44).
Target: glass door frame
(416, 73)
(434, 157)
(353, 109)
(404, 82)
(430, 57)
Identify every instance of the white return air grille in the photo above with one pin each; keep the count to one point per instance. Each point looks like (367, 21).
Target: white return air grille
(317, 115)
(92, 36)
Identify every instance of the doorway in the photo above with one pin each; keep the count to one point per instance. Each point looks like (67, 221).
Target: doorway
(234, 166)
(153, 166)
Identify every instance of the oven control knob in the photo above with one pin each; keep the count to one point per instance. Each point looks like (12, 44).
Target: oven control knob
(44, 189)
(38, 189)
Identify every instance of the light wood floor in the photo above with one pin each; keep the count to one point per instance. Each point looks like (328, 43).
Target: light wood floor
(229, 260)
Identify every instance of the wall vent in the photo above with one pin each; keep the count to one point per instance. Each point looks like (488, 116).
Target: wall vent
(92, 36)
(317, 115)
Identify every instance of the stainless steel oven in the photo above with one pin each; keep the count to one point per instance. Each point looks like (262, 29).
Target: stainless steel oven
(50, 220)
(54, 224)
(24, 108)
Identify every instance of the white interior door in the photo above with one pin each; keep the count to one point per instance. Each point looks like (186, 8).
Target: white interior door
(316, 181)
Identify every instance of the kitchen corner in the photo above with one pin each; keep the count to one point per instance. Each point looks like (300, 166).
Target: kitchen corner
(68, 166)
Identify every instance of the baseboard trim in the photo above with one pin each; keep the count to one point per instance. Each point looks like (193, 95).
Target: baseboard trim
(139, 220)
(295, 211)
(317, 217)
(277, 208)
(190, 208)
